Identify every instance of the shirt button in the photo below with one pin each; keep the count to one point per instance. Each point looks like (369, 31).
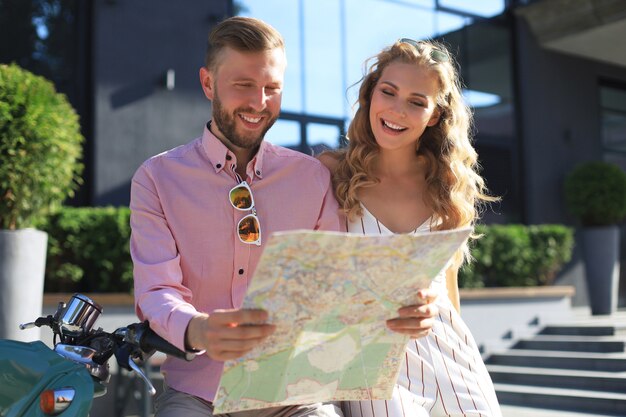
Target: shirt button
(241, 271)
(218, 166)
(258, 172)
(228, 157)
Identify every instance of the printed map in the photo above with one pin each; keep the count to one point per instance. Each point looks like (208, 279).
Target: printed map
(329, 295)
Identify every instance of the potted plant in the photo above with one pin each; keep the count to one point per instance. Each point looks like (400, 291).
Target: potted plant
(40, 152)
(595, 192)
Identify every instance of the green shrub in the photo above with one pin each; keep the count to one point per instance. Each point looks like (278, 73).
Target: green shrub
(595, 192)
(88, 250)
(517, 256)
(40, 147)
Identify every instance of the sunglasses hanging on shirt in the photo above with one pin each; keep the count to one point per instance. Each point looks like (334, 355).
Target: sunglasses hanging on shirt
(249, 227)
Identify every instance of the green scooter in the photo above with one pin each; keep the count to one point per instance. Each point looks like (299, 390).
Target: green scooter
(36, 380)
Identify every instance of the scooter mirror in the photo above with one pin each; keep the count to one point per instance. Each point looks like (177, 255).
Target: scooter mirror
(79, 316)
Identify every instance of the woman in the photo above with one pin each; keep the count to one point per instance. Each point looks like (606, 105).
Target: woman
(410, 168)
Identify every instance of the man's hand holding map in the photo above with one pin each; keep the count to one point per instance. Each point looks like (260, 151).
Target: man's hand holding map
(329, 295)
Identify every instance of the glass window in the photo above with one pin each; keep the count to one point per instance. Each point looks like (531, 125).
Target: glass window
(322, 136)
(484, 54)
(324, 75)
(285, 17)
(614, 130)
(284, 133)
(328, 42)
(485, 59)
(477, 99)
(322, 64)
(613, 103)
(430, 4)
(448, 22)
(373, 24)
(42, 37)
(484, 8)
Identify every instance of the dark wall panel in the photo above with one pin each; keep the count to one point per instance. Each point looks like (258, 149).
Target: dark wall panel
(134, 43)
(560, 104)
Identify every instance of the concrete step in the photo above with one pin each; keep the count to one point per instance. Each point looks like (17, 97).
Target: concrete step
(523, 411)
(562, 378)
(579, 330)
(562, 399)
(604, 344)
(604, 362)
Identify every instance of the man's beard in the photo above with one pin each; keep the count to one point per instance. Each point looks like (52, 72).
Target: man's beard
(227, 124)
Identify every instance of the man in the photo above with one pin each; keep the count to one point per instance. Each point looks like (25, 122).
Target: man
(201, 211)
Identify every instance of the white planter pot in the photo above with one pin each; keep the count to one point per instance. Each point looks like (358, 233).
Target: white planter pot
(22, 268)
(601, 256)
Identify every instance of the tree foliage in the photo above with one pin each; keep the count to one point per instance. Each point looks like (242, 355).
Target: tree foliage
(595, 192)
(40, 147)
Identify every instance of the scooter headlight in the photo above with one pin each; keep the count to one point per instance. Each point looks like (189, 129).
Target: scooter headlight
(53, 401)
(79, 315)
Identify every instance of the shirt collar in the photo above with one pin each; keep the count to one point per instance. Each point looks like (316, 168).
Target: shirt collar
(257, 161)
(221, 157)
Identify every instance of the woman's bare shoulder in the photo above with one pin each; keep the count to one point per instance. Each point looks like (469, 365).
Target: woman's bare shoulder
(330, 159)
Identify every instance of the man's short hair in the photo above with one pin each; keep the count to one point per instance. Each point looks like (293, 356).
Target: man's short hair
(243, 34)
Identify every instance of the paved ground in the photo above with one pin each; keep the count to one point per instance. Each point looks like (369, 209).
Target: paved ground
(582, 316)
(114, 317)
(511, 411)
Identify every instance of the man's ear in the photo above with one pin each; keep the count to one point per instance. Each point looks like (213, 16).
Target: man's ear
(434, 119)
(206, 80)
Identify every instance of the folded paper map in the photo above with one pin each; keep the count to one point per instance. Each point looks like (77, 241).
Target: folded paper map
(329, 295)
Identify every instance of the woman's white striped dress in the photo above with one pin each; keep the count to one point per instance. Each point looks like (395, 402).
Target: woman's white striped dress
(443, 374)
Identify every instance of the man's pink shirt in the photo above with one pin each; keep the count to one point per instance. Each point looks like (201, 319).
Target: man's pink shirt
(187, 257)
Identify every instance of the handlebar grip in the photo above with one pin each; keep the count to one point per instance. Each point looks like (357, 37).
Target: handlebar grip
(44, 321)
(150, 340)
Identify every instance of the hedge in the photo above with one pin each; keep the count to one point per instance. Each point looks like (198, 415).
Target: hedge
(517, 255)
(88, 251)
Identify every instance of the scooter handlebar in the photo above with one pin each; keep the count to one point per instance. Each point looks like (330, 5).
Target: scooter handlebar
(149, 340)
(41, 321)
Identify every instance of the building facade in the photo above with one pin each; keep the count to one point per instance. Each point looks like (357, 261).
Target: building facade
(546, 80)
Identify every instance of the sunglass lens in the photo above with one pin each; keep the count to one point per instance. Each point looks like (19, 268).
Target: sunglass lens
(435, 54)
(249, 229)
(241, 198)
(439, 56)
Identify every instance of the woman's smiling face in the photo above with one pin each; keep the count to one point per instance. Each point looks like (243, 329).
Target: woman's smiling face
(403, 104)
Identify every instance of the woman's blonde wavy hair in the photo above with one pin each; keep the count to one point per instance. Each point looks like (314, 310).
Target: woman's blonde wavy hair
(455, 191)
